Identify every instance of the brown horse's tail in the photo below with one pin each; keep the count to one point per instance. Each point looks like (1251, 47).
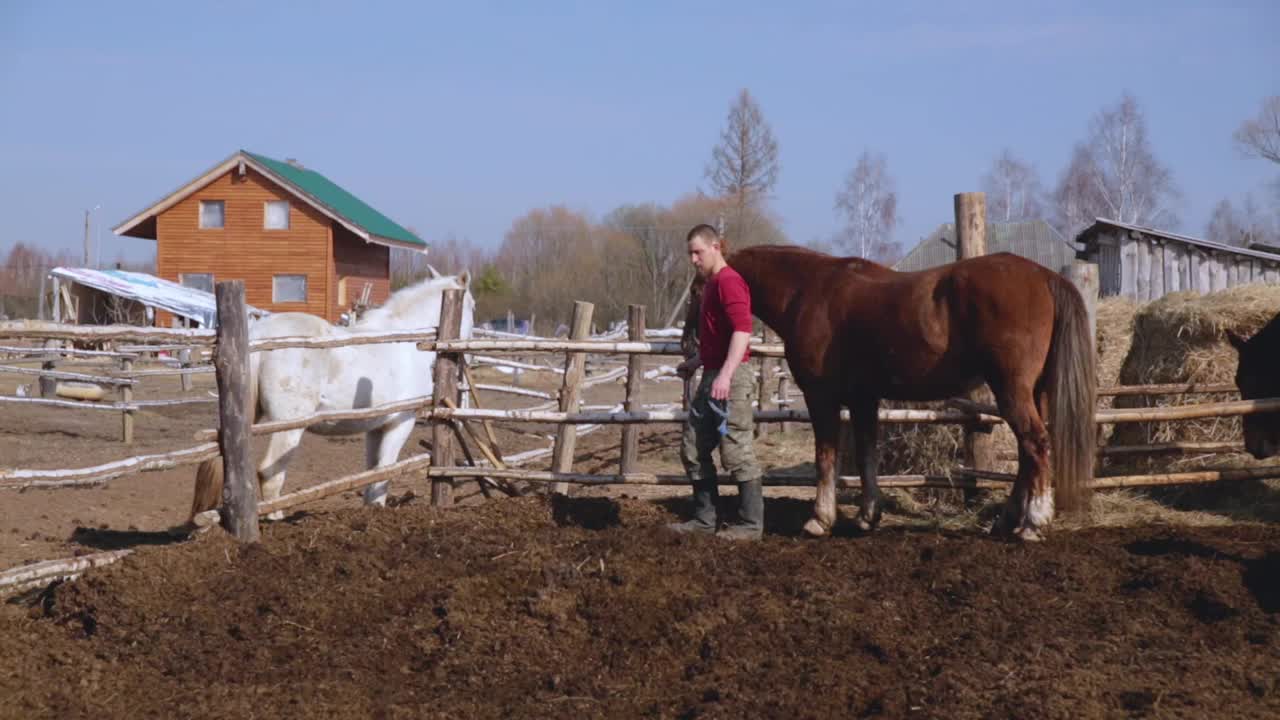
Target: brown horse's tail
(1072, 384)
(208, 492)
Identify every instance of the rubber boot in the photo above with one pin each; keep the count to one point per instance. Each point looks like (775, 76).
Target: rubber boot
(750, 524)
(705, 495)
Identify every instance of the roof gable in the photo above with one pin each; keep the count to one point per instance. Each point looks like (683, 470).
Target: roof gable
(310, 186)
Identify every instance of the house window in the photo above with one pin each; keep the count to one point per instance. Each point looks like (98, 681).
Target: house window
(276, 215)
(289, 288)
(197, 281)
(212, 214)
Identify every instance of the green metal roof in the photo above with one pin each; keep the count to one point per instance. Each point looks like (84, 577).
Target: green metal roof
(339, 201)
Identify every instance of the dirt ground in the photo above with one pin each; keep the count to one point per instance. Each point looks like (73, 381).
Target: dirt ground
(587, 607)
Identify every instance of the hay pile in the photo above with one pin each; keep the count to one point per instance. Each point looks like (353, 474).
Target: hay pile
(1182, 338)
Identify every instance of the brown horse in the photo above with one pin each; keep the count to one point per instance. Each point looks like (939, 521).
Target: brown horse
(857, 332)
(1256, 377)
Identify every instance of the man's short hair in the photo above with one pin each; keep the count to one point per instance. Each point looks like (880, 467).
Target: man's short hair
(704, 231)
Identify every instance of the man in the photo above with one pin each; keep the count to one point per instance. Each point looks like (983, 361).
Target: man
(721, 413)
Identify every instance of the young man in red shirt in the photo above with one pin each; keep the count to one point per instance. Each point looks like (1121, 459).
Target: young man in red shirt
(721, 413)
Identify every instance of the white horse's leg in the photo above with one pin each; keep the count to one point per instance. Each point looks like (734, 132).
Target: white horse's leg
(382, 448)
(271, 471)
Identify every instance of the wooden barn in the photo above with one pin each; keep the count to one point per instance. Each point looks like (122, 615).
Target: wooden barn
(297, 240)
(1145, 264)
(1032, 239)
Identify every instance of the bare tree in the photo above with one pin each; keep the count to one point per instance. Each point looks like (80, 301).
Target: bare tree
(1114, 174)
(1260, 136)
(1242, 227)
(744, 166)
(653, 255)
(870, 207)
(1013, 189)
(1224, 224)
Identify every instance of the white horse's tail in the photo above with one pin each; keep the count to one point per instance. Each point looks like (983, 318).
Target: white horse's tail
(208, 492)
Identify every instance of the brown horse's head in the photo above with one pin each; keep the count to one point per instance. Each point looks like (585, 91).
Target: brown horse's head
(1256, 378)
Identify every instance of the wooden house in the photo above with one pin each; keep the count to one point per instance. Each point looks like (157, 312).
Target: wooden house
(297, 240)
(1146, 264)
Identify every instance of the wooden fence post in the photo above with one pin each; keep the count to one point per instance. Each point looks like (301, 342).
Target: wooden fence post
(231, 366)
(1084, 275)
(766, 366)
(570, 394)
(635, 376)
(126, 396)
(445, 384)
(971, 242)
(184, 361)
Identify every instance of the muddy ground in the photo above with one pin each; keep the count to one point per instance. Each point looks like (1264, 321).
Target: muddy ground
(587, 607)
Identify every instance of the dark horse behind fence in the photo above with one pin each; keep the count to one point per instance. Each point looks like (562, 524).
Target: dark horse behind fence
(1257, 377)
(857, 332)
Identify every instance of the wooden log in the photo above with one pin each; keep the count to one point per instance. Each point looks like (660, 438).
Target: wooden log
(570, 394)
(80, 391)
(346, 340)
(605, 377)
(408, 466)
(21, 578)
(1142, 250)
(185, 372)
(23, 479)
(510, 390)
(597, 347)
(485, 450)
(1164, 270)
(1170, 389)
(1189, 412)
(475, 400)
(63, 331)
(126, 398)
(502, 362)
(49, 372)
(552, 417)
(764, 398)
(784, 398)
(445, 383)
(60, 352)
(630, 453)
(971, 242)
(1186, 448)
(231, 365)
(771, 479)
(1189, 478)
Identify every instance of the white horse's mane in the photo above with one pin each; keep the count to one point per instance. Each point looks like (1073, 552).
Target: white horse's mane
(411, 301)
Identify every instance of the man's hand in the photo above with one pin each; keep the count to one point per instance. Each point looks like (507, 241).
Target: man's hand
(720, 388)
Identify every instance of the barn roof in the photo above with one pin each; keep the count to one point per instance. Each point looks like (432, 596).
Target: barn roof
(151, 291)
(307, 185)
(1032, 239)
(1090, 234)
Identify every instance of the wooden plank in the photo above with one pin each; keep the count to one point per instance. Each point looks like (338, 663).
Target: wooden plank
(99, 333)
(1203, 273)
(231, 365)
(630, 453)
(1142, 257)
(61, 375)
(445, 384)
(1128, 267)
(1169, 389)
(1085, 277)
(1188, 478)
(20, 578)
(596, 347)
(1190, 412)
(570, 394)
(1163, 270)
(1184, 268)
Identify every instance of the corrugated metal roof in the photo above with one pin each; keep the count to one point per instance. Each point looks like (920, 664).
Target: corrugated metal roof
(152, 291)
(1032, 239)
(1099, 224)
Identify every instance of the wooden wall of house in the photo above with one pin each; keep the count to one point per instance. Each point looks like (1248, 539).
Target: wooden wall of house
(1147, 269)
(356, 262)
(243, 249)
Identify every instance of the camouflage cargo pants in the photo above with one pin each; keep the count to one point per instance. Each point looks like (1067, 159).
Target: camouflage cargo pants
(702, 431)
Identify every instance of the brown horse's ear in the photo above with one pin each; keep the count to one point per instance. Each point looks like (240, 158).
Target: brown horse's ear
(1236, 341)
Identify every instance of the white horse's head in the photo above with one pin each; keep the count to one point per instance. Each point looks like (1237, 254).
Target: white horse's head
(417, 306)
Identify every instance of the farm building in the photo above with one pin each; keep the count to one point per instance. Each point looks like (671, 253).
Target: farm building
(1032, 239)
(297, 240)
(1145, 264)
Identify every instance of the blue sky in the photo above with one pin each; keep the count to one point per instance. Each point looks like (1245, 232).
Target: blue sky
(459, 117)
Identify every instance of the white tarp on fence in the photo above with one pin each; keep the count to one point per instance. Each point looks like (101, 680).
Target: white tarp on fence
(190, 303)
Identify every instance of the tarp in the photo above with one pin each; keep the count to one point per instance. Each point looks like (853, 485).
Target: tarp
(151, 291)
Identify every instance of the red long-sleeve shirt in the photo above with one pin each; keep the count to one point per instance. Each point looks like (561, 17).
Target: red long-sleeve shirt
(726, 308)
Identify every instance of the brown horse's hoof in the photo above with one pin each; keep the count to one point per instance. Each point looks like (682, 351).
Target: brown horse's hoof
(867, 524)
(816, 529)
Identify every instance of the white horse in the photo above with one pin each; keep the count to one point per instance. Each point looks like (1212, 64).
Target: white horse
(296, 382)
